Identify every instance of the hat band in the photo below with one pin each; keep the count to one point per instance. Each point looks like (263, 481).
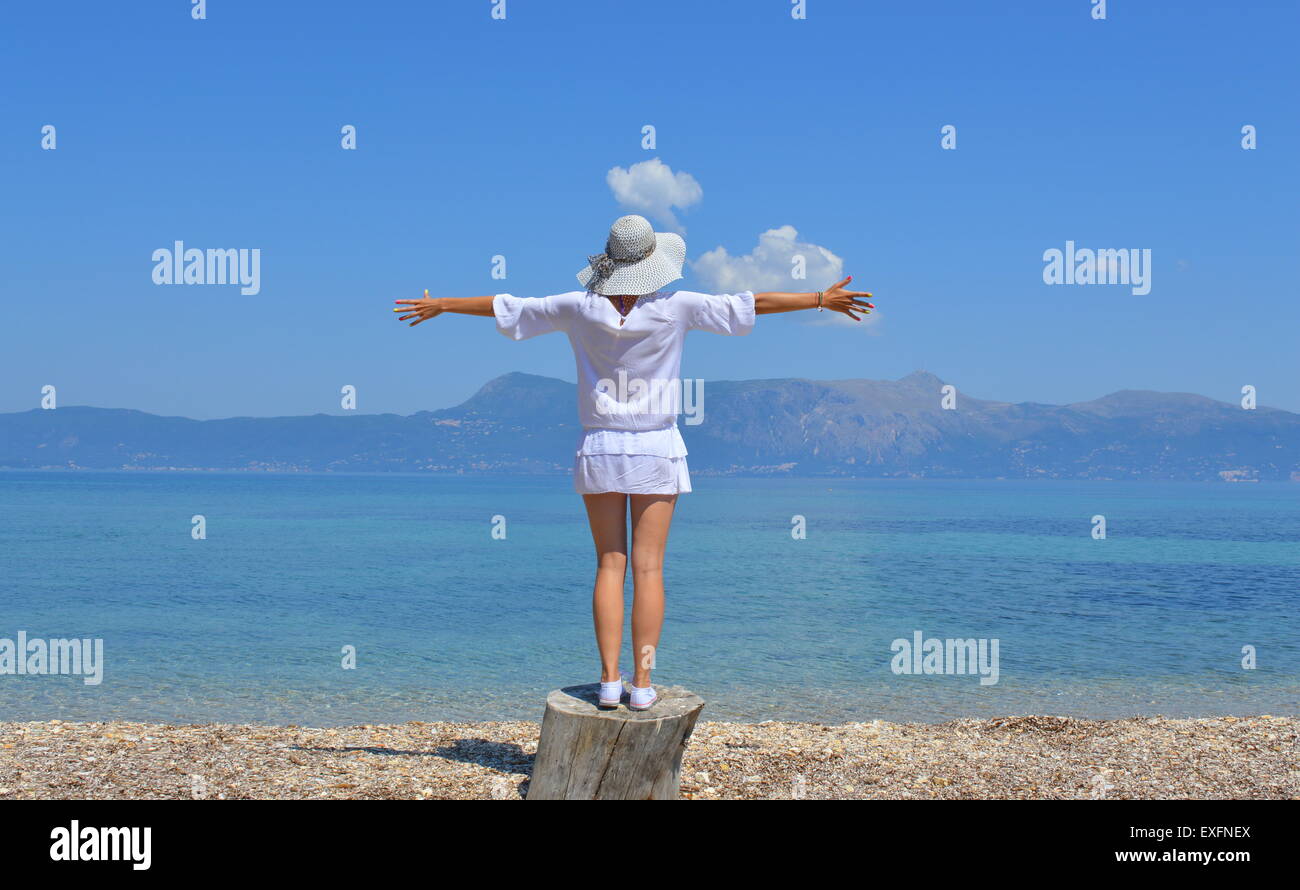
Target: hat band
(603, 265)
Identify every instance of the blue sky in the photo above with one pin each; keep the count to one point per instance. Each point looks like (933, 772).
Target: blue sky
(479, 137)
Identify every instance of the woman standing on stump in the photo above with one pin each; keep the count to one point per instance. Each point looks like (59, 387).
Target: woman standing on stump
(627, 334)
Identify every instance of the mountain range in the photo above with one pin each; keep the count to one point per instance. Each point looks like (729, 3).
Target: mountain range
(521, 423)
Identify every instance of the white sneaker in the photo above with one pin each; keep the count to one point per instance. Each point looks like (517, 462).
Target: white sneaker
(611, 694)
(642, 699)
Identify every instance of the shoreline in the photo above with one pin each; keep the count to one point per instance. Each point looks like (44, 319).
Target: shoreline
(560, 472)
(1028, 757)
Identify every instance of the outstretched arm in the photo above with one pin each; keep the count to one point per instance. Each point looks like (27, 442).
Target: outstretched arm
(835, 298)
(427, 308)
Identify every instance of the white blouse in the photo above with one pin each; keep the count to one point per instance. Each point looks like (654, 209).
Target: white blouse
(629, 368)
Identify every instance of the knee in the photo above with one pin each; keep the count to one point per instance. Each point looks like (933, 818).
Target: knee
(611, 561)
(643, 562)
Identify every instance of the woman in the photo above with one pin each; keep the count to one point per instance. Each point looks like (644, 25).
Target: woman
(627, 334)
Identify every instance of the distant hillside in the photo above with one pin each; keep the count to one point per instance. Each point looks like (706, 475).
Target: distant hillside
(520, 423)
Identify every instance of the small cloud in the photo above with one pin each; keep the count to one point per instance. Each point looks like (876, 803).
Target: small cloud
(652, 188)
(770, 266)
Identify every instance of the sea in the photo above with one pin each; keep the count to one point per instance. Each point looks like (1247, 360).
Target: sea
(336, 599)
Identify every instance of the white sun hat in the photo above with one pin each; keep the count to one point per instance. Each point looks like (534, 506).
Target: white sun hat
(637, 260)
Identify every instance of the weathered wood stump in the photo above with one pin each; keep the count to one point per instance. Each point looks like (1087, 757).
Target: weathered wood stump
(586, 753)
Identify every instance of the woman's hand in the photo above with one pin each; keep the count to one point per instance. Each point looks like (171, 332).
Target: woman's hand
(421, 310)
(425, 309)
(837, 299)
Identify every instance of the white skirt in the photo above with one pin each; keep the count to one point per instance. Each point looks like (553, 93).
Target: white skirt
(631, 462)
(630, 474)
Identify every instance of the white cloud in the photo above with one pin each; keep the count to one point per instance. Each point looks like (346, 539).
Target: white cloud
(770, 265)
(652, 188)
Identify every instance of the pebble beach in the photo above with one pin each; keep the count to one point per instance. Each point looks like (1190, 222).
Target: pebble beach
(1014, 757)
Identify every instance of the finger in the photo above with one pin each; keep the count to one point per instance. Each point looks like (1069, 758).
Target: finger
(842, 283)
(405, 317)
(417, 321)
(409, 302)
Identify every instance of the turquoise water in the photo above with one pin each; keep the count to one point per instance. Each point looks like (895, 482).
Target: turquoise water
(450, 624)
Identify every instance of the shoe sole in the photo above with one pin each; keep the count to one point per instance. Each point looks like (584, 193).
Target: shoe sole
(654, 701)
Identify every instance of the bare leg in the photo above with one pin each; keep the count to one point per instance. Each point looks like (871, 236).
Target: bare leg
(651, 516)
(607, 514)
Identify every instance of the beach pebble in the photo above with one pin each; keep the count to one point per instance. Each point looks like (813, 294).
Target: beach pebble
(1008, 757)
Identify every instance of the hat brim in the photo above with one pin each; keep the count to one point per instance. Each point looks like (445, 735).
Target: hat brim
(646, 276)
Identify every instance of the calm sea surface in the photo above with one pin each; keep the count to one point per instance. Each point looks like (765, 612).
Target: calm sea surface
(450, 624)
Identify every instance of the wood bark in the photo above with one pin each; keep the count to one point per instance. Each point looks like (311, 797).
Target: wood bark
(586, 753)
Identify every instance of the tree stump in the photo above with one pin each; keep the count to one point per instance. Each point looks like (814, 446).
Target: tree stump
(586, 753)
